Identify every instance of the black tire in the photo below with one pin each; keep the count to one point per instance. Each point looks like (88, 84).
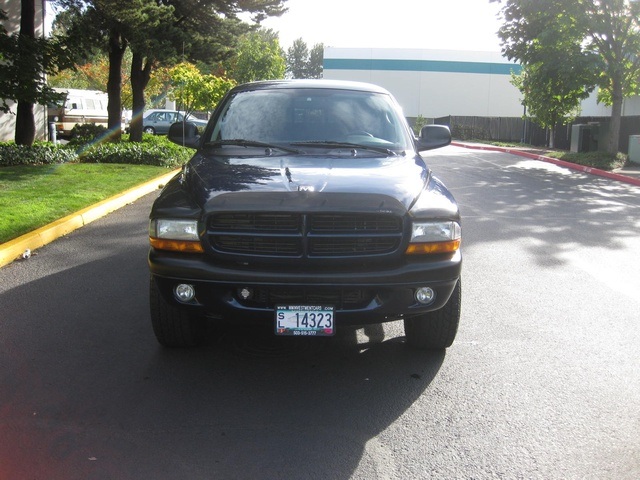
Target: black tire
(173, 326)
(435, 330)
(150, 130)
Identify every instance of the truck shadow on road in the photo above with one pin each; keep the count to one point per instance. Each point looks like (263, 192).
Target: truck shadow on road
(282, 408)
(86, 392)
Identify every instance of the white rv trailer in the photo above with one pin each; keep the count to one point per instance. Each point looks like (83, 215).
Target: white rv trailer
(79, 107)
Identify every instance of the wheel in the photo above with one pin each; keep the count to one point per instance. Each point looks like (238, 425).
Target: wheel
(150, 130)
(173, 327)
(435, 330)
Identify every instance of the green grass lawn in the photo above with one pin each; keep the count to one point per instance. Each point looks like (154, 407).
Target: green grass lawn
(33, 196)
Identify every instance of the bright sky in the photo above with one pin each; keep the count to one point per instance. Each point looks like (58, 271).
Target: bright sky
(421, 24)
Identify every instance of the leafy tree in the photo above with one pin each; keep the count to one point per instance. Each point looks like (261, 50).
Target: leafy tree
(258, 57)
(25, 60)
(97, 26)
(205, 30)
(94, 75)
(194, 91)
(601, 38)
(556, 74)
(613, 30)
(302, 63)
(159, 33)
(551, 96)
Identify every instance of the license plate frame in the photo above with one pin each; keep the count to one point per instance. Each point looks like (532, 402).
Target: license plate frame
(305, 320)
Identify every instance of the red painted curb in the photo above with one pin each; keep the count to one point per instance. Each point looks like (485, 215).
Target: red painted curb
(574, 166)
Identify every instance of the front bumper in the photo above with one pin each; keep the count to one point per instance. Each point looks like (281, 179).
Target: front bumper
(359, 296)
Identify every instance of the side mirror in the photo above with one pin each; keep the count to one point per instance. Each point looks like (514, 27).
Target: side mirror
(184, 134)
(433, 136)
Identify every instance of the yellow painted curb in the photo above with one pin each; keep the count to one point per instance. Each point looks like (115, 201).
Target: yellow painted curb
(13, 249)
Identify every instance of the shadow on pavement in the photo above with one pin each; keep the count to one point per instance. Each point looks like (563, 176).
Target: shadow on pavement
(85, 391)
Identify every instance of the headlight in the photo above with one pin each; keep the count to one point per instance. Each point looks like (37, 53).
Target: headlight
(434, 237)
(175, 235)
(174, 229)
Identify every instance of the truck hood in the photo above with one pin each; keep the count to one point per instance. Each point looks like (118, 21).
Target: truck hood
(286, 181)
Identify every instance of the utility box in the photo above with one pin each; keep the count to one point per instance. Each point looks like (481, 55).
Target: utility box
(634, 148)
(584, 138)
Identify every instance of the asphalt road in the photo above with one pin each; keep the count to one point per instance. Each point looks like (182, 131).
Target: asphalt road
(543, 380)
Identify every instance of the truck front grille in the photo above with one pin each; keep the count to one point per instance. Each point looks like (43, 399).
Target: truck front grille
(321, 235)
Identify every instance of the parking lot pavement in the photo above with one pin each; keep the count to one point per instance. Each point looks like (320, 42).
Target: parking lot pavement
(630, 173)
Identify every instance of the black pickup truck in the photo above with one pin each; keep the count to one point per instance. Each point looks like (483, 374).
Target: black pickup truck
(307, 207)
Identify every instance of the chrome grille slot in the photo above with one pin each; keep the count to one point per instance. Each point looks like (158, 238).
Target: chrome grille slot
(317, 235)
(256, 222)
(355, 223)
(258, 245)
(353, 245)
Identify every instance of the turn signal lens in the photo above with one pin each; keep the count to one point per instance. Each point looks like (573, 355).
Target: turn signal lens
(432, 248)
(176, 245)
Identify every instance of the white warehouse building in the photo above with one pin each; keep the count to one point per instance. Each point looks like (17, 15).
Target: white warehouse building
(433, 83)
(438, 83)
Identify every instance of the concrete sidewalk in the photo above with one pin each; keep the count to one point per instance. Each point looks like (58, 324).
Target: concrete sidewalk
(630, 173)
(23, 245)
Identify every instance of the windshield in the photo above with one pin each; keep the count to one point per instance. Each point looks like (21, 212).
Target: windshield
(312, 117)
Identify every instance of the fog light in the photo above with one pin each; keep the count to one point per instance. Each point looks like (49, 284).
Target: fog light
(425, 295)
(184, 293)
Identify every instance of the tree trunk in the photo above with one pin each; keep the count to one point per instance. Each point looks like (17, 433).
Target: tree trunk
(25, 133)
(617, 99)
(117, 47)
(140, 74)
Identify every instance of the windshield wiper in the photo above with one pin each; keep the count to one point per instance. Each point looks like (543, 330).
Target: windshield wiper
(355, 146)
(251, 143)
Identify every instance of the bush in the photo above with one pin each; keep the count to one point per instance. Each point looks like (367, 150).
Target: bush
(601, 160)
(86, 134)
(40, 153)
(419, 122)
(153, 150)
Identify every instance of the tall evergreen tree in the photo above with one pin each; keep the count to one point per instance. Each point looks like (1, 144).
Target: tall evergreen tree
(297, 59)
(304, 63)
(316, 59)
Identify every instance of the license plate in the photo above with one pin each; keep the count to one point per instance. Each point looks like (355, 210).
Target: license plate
(305, 320)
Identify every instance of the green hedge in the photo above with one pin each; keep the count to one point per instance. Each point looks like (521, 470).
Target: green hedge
(153, 150)
(41, 153)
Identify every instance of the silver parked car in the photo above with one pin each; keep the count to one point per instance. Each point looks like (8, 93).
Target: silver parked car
(157, 122)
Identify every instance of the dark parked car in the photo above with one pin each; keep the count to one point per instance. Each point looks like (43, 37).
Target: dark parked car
(308, 207)
(157, 122)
